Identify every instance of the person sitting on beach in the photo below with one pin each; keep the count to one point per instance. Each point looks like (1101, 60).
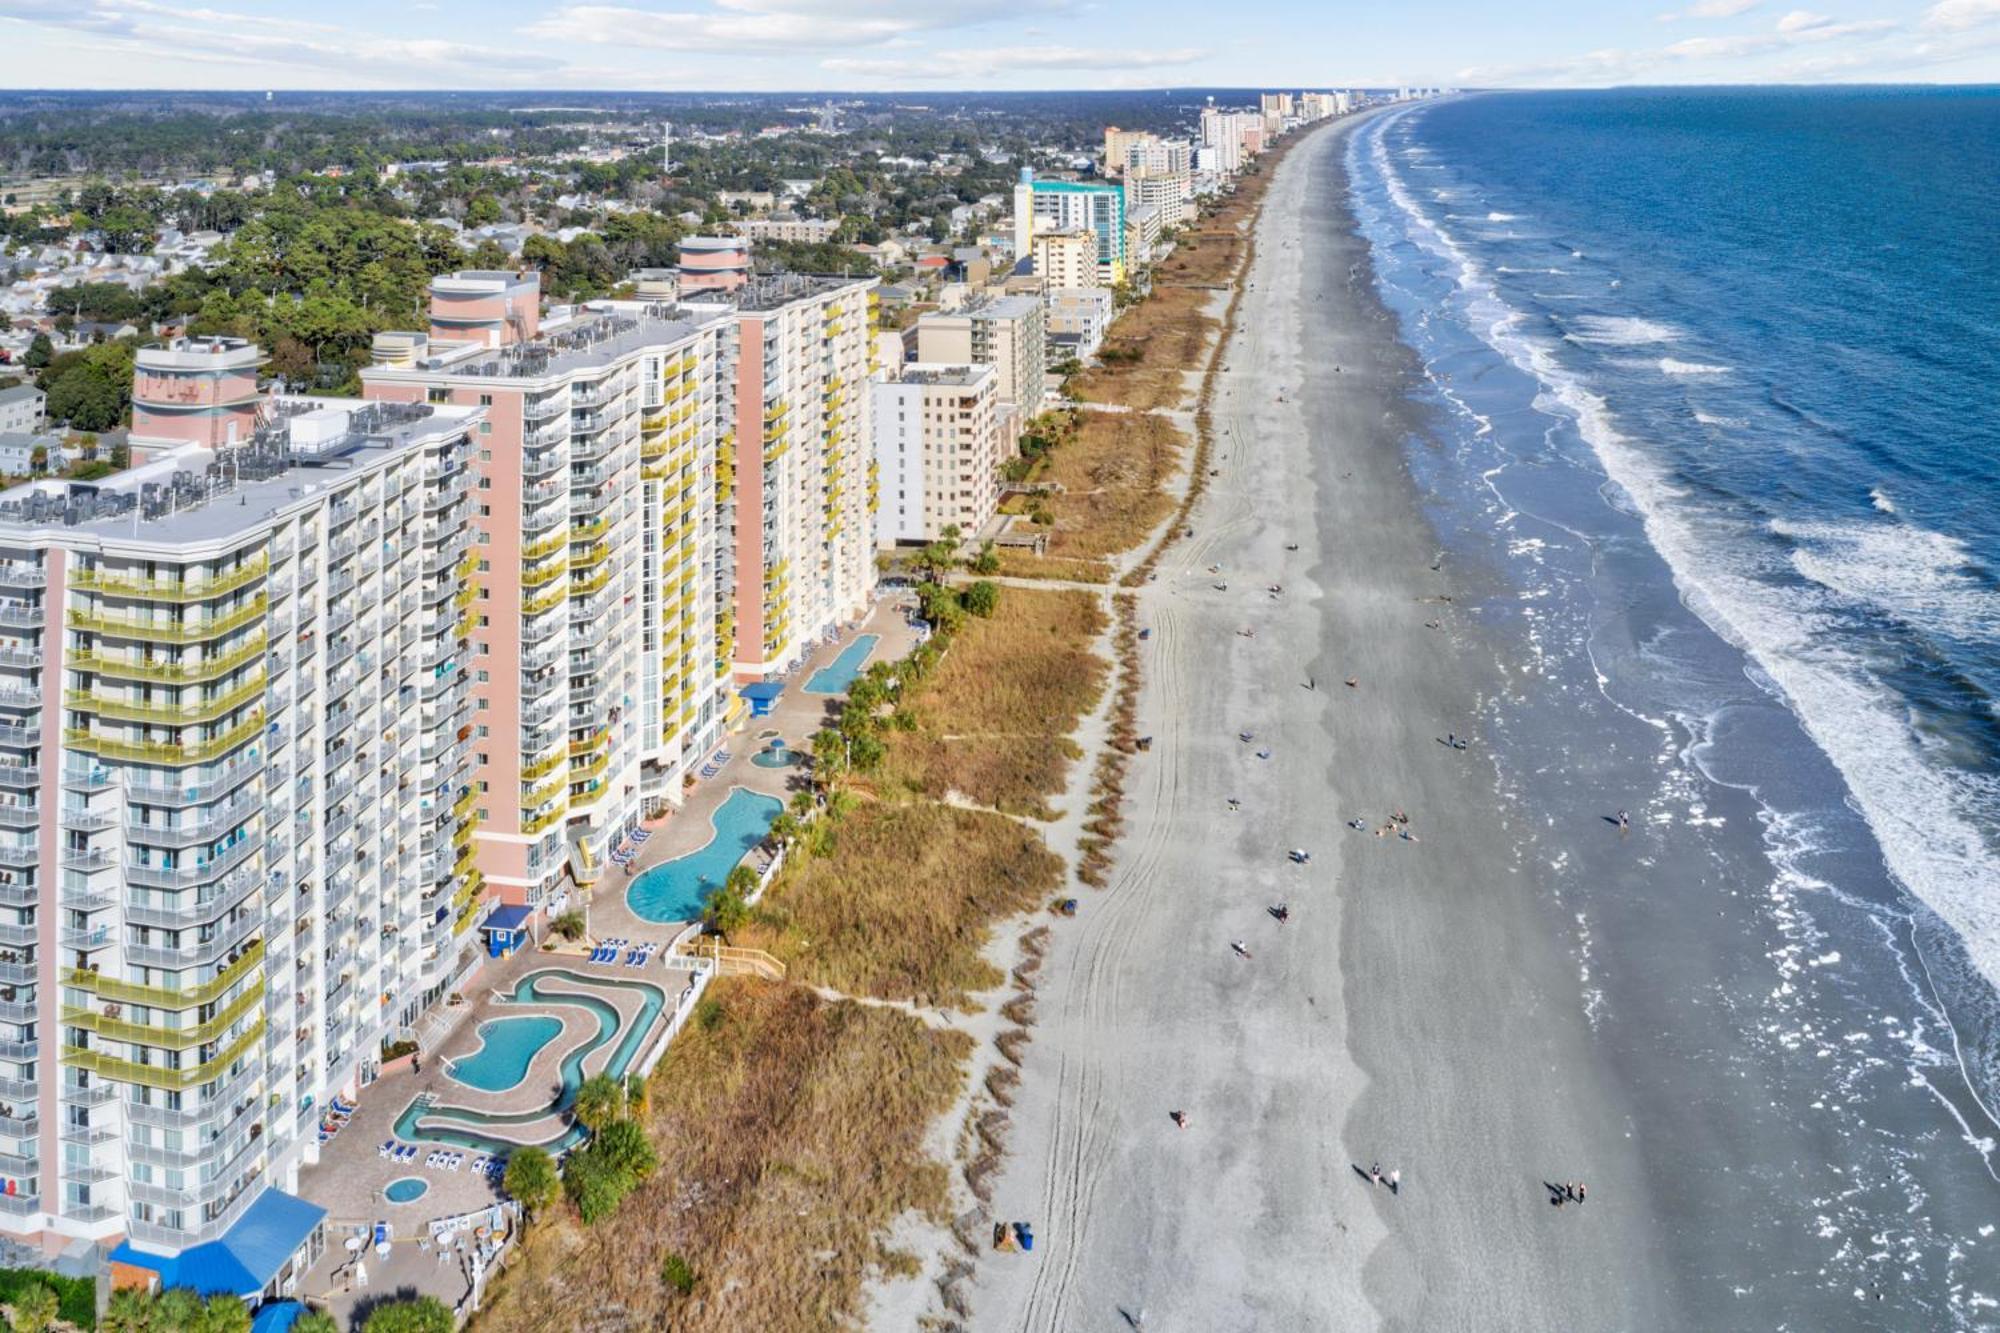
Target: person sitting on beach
(1179, 1118)
(1283, 912)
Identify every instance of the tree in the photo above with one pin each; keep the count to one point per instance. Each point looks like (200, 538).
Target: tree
(312, 1321)
(599, 1102)
(939, 558)
(569, 925)
(425, 1314)
(35, 1308)
(986, 562)
(982, 598)
(40, 352)
(225, 1314)
(728, 907)
(625, 1147)
(130, 1310)
(530, 1178)
(593, 1186)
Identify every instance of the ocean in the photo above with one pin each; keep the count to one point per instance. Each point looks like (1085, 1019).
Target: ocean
(1712, 378)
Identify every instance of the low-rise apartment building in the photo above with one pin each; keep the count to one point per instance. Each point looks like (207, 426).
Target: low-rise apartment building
(1066, 258)
(1077, 319)
(937, 451)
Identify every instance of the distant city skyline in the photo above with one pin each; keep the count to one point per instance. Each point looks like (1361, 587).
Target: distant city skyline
(880, 45)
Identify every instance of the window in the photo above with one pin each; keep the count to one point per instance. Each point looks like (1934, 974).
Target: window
(486, 400)
(439, 395)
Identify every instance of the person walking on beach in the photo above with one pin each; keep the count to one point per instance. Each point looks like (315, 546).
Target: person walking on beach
(1624, 822)
(1179, 1118)
(1396, 1181)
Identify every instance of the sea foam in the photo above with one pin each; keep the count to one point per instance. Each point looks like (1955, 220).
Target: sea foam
(1669, 366)
(1923, 814)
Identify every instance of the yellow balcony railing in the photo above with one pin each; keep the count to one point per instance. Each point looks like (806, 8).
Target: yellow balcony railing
(547, 789)
(165, 752)
(546, 545)
(592, 582)
(542, 767)
(160, 997)
(465, 596)
(134, 627)
(584, 772)
(170, 590)
(169, 715)
(461, 807)
(548, 819)
(171, 673)
(591, 556)
(173, 1039)
(152, 1076)
(543, 575)
(548, 599)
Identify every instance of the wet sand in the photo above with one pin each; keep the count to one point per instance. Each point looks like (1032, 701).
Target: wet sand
(1416, 1011)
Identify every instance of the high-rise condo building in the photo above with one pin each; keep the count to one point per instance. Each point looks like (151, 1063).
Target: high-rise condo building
(1007, 334)
(1095, 207)
(235, 800)
(599, 670)
(1066, 258)
(937, 451)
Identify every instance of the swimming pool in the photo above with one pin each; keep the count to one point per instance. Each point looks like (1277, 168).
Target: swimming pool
(428, 1121)
(507, 1047)
(407, 1190)
(837, 675)
(674, 890)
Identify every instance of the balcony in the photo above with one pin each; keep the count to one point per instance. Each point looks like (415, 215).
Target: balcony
(170, 631)
(164, 752)
(169, 590)
(132, 992)
(168, 715)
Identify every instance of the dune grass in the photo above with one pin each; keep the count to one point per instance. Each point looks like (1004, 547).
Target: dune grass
(1112, 472)
(904, 906)
(1027, 565)
(993, 720)
(790, 1134)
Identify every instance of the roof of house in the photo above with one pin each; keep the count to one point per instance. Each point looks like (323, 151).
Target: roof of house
(15, 393)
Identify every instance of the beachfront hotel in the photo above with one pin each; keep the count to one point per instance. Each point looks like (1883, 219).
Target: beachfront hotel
(672, 500)
(938, 433)
(210, 665)
(1072, 206)
(291, 705)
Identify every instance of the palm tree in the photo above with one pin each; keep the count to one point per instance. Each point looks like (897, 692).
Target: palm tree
(130, 1310)
(35, 1308)
(530, 1178)
(599, 1102)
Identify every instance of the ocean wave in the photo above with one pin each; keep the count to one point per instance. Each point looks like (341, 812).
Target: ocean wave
(1503, 217)
(1880, 499)
(1620, 331)
(1669, 366)
(1557, 271)
(1923, 578)
(1924, 815)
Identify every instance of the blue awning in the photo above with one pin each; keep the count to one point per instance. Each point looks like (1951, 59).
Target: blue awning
(507, 917)
(763, 691)
(246, 1258)
(276, 1317)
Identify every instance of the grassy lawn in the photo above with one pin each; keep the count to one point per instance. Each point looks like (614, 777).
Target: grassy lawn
(790, 1134)
(905, 903)
(994, 718)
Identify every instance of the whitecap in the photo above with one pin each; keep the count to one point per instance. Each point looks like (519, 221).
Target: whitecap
(1925, 816)
(1669, 366)
(1880, 499)
(1503, 217)
(1620, 331)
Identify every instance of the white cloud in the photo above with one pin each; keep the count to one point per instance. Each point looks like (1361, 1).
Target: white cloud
(1957, 15)
(1710, 9)
(1799, 20)
(777, 27)
(967, 63)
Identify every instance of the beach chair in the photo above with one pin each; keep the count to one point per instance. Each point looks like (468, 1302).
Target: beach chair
(388, 1147)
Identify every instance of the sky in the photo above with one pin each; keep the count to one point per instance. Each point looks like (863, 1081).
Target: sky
(874, 45)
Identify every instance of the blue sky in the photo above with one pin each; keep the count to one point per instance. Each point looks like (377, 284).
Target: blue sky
(894, 44)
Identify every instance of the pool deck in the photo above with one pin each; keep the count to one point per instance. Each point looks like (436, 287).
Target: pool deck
(797, 716)
(350, 1176)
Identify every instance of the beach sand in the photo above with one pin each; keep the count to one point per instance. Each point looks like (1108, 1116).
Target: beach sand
(1415, 1012)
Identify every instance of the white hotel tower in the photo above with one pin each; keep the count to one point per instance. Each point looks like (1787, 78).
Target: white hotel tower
(235, 811)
